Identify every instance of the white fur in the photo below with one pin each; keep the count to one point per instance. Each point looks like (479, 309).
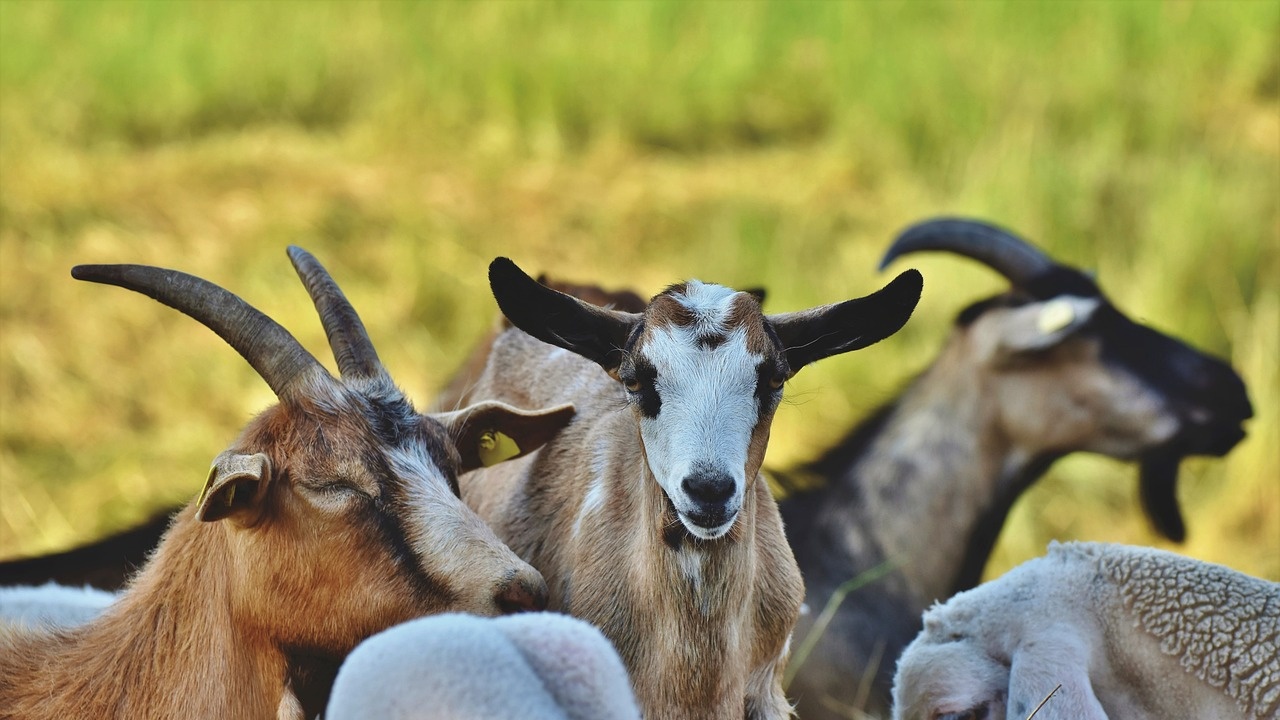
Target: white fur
(534, 666)
(1128, 632)
(51, 605)
(439, 516)
(708, 412)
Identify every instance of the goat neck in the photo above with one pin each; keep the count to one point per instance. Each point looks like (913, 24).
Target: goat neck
(178, 636)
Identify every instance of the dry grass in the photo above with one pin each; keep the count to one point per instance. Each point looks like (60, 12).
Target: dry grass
(629, 144)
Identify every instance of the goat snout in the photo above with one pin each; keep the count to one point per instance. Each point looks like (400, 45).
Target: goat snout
(710, 490)
(524, 592)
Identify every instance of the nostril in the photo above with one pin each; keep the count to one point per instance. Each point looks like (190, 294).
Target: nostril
(522, 595)
(708, 488)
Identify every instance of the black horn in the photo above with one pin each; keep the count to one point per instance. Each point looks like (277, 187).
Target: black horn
(347, 337)
(270, 349)
(1001, 250)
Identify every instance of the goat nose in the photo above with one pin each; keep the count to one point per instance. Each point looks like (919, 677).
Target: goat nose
(708, 488)
(522, 594)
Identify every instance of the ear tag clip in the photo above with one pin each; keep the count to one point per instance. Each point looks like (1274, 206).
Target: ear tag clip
(495, 447)
(1056, 315)
(208, 481)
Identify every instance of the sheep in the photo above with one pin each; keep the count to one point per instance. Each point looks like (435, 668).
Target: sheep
(1026, 377)
(648, 515)
(537, 666)
(334, 515)
(1128, 632)
(51, 605)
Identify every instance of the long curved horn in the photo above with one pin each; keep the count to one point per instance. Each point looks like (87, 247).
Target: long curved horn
(347, 337)
(999, 249)
(270, 349)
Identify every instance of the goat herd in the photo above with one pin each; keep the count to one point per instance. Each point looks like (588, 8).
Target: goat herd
(600, 457)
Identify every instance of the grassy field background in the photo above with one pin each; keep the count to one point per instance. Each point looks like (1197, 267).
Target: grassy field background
(632, 144)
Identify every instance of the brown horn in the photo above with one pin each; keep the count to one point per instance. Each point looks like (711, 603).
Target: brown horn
(347, 337)
(999, 249)
(270, 349)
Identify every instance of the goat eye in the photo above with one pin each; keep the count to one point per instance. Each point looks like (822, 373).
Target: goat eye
(776, 381)
(631, 384)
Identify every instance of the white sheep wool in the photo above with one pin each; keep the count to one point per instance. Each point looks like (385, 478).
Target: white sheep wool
(534, 666)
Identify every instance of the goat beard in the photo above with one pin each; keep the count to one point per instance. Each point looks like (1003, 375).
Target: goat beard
(1158, 488)
(1158, 475)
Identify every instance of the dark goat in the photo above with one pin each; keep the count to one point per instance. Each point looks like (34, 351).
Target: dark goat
(1049, 368)
(334, 515)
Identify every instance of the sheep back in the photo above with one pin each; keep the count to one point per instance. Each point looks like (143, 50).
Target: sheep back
(1222, 626)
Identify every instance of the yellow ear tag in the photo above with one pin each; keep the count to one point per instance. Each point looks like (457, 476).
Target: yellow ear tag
(205, 490)
(1056, 315)
(495, 447)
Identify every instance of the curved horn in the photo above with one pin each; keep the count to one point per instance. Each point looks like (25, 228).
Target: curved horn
(270, 349)
(999, 249)
(347, 337)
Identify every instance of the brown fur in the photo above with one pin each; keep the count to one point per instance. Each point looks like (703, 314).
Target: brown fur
(712, 649)
(332, 517)
(207, 628)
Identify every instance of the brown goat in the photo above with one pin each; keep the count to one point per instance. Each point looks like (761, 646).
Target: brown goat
(333, 516)
(649, 517)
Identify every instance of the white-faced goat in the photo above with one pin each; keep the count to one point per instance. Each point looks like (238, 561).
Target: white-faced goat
(1121, 632)
(648, 515)
(334, 515)
(1046, 369)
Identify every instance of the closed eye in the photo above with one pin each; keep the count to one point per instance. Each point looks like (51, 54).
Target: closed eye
(976, 713)
(339, 490)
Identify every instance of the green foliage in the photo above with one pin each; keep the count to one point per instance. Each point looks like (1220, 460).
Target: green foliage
(628, 143)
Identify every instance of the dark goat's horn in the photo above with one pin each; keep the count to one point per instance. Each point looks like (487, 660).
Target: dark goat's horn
(347, 337)
(1001, 250)
(270, 349)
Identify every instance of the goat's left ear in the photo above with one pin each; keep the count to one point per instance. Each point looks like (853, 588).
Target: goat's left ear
(562, 320)
(236, 487)
(489, 432)
(811, 335)
(1041, 325)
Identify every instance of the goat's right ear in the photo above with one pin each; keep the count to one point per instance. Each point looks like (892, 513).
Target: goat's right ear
(236, 487)
(562, 320)
(490, 432)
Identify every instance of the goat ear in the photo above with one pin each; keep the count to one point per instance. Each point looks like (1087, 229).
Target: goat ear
(236, 487)
(758, 293)
(1035, 671)
(553, 317)
(1041, 325)
(490, 432)
(811, 335)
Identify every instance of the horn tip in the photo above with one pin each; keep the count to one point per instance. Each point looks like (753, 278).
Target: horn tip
(297, 254)
(92, 273)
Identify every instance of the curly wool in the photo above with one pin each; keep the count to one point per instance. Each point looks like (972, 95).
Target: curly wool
(1223, 627)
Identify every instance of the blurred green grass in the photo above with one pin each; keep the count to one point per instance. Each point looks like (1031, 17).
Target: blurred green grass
(633, 144)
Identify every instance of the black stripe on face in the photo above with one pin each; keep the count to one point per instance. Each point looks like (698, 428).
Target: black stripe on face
(389, 514)
(767, 396)
(640, 379)
(772, 369)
